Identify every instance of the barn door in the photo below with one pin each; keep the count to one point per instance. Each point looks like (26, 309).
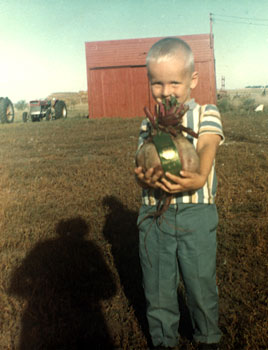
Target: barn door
(118, 91)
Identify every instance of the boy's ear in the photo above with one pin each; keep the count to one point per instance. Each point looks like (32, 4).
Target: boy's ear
(194, 80)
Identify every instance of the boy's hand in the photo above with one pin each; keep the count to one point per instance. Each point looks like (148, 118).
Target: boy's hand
(206, 149)
(188, 182)
(150, 178)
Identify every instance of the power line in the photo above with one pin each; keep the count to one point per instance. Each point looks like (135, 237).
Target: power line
(244, 18)
(248, 23)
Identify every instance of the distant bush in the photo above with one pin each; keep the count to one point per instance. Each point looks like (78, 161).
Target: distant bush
(238, 104)
(21, 105)
(224, 104)
(249, 104)
(246, 105)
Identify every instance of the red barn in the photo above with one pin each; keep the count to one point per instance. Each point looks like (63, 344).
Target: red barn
(117, 77)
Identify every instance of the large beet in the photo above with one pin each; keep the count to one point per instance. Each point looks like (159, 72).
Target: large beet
(167, 148)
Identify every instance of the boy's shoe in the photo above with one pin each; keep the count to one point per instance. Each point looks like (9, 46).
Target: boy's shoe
(204, 346)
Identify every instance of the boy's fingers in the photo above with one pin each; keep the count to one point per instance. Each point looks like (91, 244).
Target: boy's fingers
(185, 173)
(170, 176)
(167, 188)
(138, 170)
(151, 173)
(157, 175)
(148, 174)
(175, 179)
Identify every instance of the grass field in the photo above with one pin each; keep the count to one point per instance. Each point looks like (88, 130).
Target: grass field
(254, 93)
(70, 275)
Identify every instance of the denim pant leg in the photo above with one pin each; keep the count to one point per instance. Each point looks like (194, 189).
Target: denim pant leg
(197, 259)
(158, 259)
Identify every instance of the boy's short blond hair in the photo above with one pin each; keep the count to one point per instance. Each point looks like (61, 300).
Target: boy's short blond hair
(170, 48)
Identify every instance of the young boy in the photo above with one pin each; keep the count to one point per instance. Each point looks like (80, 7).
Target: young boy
(183, 241)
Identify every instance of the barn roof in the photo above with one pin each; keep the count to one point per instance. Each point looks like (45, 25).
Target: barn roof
(133, 52)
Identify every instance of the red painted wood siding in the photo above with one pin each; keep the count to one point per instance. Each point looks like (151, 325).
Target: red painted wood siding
(117, 78)
(118, 92)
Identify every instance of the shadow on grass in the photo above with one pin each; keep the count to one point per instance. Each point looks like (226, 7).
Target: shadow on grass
(63, 280)
(122, 232)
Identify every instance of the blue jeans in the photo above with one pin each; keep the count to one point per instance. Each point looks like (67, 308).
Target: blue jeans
(182, 241)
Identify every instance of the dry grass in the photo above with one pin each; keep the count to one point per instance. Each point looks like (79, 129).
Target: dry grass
(70, 274)
(254, 93)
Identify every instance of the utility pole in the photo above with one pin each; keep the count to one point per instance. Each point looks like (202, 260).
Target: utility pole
(211, 31)
(223, 82)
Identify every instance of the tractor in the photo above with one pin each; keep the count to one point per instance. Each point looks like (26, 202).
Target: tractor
(45, 109)
(6, 110)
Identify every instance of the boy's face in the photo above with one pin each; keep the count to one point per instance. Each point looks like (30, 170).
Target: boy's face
(170, 78)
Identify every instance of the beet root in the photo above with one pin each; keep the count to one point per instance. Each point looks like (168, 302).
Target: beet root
(147, 156)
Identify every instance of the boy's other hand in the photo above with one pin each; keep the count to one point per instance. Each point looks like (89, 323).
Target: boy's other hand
(187, 182)
(149, 178)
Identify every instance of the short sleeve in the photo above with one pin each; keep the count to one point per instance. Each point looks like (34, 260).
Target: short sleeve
(145, 131)
(210, 121)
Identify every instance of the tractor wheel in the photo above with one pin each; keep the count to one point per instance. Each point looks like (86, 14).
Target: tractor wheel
(48, 115)
(6, 111)
(60, 110)
(35, 119)
(24, 117)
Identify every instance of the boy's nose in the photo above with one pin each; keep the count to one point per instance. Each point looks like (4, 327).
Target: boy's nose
(166, 91)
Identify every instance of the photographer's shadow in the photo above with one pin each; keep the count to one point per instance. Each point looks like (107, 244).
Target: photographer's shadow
(121, 231)
(63, 280)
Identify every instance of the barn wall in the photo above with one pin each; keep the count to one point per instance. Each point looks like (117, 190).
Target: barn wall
(118, 92)
(117, 79)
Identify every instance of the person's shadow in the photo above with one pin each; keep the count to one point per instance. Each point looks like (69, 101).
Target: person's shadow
(121, 231)
(63, 280)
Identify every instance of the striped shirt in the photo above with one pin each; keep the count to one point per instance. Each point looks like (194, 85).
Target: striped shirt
(202, 120)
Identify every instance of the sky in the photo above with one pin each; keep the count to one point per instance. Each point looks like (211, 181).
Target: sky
(42, 42)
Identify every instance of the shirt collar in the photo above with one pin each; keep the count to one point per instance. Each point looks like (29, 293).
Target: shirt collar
(192, 104)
